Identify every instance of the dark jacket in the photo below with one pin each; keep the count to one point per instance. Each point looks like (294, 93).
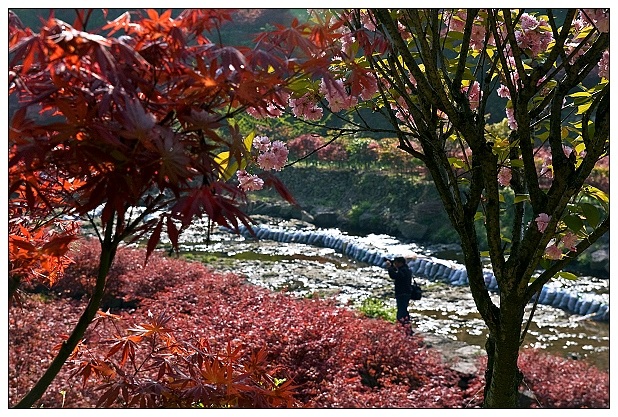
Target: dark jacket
(402, 277)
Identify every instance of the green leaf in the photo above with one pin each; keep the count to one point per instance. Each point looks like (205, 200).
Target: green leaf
(479, 216)
(597, 194)
(521, 197)
(591, 212)
(517, 163)
(566, 275)
(583, 108)
(579, 148)
(456, 162)
(249, 141)
(573, 222)
(228, 167)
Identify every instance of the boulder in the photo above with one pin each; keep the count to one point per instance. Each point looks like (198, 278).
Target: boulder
(599, 260)
(412, 230)
(326, 219)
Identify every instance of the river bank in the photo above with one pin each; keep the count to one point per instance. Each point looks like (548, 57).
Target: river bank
(402, 205)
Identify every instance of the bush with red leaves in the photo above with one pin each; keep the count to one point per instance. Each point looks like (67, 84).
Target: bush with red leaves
(564, 383)
(336, 357)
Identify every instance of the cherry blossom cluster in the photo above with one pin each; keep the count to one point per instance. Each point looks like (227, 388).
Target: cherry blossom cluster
(272, 155)
(534, 36)
(604, 65)
(306, 107)
(554, 249)
(337, 96)
(504, 176)
(456, 22)
(474, 94)
(599, 19)
(274, 108)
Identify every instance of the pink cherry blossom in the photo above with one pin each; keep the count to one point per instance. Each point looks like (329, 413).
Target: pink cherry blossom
(337, 97)
(455, 22)
(366, 19)
(249, 182)
(504, 176)
(306, 108)
(504, 92)
(534, 36)
(569, 240)
(510, 115)
(598, 17)
(261, 143)
(567, 150)
(474, 94)
(280, 149)
(604, 65)
(275, 158)
(477, 37)
(542, 221)
(528, 22)
(553, 252)
(268, 161)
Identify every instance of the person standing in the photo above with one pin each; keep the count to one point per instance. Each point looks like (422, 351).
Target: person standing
(399, 271)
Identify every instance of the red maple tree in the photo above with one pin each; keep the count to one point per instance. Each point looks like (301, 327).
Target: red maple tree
(135, 114)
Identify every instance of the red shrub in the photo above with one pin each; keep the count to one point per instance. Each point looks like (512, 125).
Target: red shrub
(336, 357)
(564, 383)
(303, 145)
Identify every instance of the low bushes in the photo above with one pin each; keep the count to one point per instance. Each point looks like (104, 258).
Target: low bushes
(335, 357)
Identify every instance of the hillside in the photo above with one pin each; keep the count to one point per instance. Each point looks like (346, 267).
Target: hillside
(363, 202)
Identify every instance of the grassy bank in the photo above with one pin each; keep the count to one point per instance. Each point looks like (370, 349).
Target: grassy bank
(370, 201)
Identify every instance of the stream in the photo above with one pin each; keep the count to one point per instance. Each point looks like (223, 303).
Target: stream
(448, 311)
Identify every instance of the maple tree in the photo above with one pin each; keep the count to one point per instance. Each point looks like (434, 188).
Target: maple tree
(134, 133)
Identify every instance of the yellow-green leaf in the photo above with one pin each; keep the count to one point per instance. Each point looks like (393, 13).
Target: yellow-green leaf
(566, 275)
(521, 197)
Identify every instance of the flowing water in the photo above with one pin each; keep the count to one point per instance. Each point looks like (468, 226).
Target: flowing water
(448, 311)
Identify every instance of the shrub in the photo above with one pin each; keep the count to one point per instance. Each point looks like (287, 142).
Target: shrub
(376, 308)
(335, 357)
(564, 383)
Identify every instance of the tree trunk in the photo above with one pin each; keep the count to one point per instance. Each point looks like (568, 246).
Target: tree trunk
(503, 377)
(108, 252)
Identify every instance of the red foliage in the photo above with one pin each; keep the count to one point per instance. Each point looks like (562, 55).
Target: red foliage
(564, 383)
(133, 120)
(303, 145)
(336, 357)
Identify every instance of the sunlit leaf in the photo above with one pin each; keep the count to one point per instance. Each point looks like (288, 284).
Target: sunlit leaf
(519, 198)
(566, 275)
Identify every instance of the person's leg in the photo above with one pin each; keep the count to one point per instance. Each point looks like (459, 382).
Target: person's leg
(403, 317)
(402, 308)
